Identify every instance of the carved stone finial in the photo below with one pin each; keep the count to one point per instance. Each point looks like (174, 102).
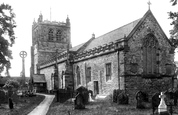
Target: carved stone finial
(68, 21)
(40, 19)
(93, 35)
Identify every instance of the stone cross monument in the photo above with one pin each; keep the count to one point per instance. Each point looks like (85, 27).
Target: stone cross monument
(23, 55)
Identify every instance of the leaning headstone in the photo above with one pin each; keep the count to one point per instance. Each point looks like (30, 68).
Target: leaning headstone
(79, 102)
(162, 108)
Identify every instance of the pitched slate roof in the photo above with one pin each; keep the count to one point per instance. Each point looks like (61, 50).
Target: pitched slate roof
(38, 78)
(119, 33)
(75, 48)
(112, 36)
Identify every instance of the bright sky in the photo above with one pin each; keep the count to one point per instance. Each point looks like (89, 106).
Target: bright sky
(86, 17)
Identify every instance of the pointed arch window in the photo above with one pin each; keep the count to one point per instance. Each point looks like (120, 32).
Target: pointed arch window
(50, 35)
(58, 35)
(78, 76)
(150, 55)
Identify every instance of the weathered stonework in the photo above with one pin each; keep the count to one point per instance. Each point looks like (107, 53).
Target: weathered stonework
(134, 80)
(125, 52)
(44, 48)
(98, 73)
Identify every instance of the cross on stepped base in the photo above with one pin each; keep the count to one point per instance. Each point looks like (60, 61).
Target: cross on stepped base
(162, 106)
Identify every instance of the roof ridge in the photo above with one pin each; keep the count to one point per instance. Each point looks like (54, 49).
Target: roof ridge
(119, 27)
(91, 39)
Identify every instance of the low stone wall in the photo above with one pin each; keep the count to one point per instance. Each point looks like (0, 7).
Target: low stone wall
(133, 84)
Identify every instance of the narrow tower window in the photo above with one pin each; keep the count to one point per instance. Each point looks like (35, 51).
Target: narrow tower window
(58, 35)
(50, 35)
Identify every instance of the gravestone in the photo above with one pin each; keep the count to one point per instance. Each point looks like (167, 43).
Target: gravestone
(84, 92)
(79, 102)
(175, 97)
(90, 98)
(123, 98)
(162, 108)
(3, 97)
(155, 101)
(114, 99)
(142, 99)
(116, 92)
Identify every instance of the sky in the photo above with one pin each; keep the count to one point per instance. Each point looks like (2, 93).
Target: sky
(86, 17)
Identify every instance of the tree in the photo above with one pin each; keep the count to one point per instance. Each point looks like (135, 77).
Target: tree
(174, 31)
(7, 37)
(10, 84)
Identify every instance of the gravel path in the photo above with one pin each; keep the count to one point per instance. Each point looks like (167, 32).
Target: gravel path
(43, 107)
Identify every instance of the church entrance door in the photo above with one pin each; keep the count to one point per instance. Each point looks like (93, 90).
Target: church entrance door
(96, 88)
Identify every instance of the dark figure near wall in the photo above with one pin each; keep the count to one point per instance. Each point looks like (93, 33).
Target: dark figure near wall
(11, 105)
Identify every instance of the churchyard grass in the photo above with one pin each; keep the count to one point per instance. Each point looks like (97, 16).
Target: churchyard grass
(99, 107)
(22, 105)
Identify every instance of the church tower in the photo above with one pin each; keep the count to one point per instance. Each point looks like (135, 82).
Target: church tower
(48, 38)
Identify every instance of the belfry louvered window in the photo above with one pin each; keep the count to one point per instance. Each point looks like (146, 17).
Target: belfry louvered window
(150, 55)
(58, 35)
(50, 35)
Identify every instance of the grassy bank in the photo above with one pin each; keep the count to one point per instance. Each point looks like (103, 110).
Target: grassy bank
(23, 106)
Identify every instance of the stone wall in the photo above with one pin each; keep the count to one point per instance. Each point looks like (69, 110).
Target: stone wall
(98, 73)
(50, 70)
(135, 44)
(47, 72)
(45, 49)
(133, 84)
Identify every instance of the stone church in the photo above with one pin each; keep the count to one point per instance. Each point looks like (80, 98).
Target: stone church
(136, 56)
